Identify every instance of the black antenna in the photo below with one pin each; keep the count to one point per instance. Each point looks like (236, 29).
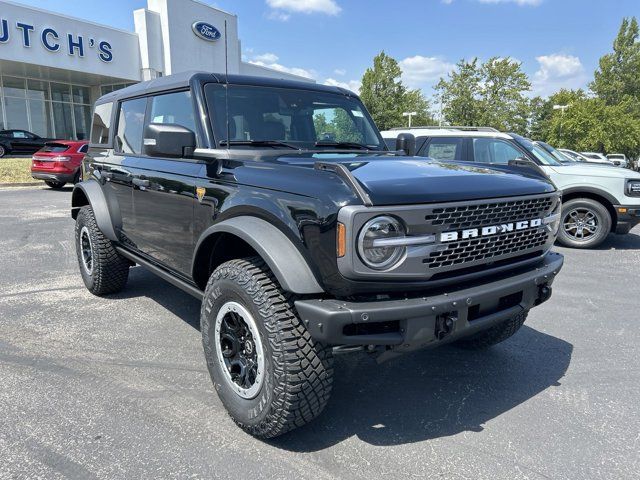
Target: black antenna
(226, 78)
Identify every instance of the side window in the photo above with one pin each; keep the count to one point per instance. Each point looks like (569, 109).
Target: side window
(101, 124)
(176, 108)
(494, 150)
(84, 148)
(130, 124)
(444, 148)
(19, 134)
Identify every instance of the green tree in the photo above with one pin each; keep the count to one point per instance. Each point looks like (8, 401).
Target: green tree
(459, 95)
(503, 104)
(386, 97)
(618, 75)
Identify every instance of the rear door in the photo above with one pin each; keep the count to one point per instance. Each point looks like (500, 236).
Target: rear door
(164, 190)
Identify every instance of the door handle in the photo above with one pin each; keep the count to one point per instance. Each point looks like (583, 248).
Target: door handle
(140, 182)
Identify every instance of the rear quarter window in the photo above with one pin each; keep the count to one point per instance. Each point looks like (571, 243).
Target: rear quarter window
(101, 124)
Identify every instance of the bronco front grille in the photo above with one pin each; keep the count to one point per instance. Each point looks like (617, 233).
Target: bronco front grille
(486, 248)
(471, 216)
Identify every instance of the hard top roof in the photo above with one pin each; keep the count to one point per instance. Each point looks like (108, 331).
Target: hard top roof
(183, 79)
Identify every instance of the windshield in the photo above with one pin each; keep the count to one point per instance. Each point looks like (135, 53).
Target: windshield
(557, 154)
(54, 148)
(262, 117)
(540, 153)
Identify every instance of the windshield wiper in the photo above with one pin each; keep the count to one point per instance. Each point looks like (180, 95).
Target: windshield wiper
(358, 146)
(260, 143)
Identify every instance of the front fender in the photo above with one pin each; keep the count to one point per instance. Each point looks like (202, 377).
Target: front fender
(283, 258)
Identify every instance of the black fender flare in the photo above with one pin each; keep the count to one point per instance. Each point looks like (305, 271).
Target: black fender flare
(592, 190)
(276, 249)
(92, 192)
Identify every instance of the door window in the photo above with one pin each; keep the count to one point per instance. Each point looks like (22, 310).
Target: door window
(494, 150)
(101, 123)
(175, 108)
(130, 124)
(444, 148)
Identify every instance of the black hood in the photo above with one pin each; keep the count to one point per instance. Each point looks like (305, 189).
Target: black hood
(391, 180)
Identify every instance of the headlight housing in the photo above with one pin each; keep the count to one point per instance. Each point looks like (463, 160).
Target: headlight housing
(373, 246)
(632, 188)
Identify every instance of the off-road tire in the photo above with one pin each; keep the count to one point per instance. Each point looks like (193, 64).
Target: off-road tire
(603, 218)
(494, 335)
(110, 270)
(298, 370)
(55, 185)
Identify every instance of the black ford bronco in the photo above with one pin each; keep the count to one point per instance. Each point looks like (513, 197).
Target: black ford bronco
(279, 205)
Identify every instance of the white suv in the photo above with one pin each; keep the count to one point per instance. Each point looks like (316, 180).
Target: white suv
(597, 199)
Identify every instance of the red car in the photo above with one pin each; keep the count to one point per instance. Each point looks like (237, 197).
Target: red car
(59, 162)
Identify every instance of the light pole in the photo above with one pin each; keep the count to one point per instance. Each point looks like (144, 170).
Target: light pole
(562, 108)
(410, 115)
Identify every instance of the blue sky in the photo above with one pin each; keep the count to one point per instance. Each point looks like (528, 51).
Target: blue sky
(558, 42)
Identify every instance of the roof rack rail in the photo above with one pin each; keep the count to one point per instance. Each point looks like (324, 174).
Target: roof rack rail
(449, 127)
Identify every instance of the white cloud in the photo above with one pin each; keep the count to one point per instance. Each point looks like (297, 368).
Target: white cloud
(353, 85)
(340, 71)
(270, 60)
(280, 16)
(558, 71)
(329, 7)
(419, 71)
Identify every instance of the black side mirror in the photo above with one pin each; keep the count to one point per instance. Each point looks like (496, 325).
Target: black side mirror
(407, 143)
(168, 140)
(523, 162)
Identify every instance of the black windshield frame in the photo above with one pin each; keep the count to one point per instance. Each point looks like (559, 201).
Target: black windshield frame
(298, 103)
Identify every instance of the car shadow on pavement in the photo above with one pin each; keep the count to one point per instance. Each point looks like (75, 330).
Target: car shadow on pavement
(630, 241)
(418, 396)
(433, 393)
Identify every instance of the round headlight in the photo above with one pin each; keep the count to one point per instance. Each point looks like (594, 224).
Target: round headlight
(372, 253)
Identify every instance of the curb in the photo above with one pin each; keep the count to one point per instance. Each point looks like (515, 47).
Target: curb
(26, 184)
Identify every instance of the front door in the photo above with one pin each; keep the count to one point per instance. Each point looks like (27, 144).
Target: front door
(164, 191)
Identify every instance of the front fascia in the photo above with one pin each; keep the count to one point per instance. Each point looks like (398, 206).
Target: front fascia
(412, 267)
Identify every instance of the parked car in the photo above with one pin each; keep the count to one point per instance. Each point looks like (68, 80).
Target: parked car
(597, 200)
(618, 159)
(20, 142)
(59, 162)
(581, 158)
(563, 158)
(596, 156)
(299, 245)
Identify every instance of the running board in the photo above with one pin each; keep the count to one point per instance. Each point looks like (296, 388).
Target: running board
(162, 273)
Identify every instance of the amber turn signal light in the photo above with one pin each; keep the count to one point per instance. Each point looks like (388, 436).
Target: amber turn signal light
(341, 240)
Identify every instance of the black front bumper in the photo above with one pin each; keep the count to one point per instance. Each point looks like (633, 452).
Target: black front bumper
(627, 220)
(414, 323)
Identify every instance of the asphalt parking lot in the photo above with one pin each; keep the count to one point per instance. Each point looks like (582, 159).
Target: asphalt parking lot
(117, 387)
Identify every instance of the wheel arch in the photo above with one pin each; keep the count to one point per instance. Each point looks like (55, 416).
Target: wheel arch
(243, 236)
(90, 193)
(600, 196)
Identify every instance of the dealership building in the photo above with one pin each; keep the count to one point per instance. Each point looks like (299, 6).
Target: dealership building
(53, 67)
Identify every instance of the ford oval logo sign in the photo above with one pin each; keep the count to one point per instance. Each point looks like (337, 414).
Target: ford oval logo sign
(206, 31)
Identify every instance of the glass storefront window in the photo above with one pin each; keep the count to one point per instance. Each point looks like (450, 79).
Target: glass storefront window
(63, 121)
(81, 94)
(16, 112)
(13, 87)
(60, 92)
(40, 118)
(82, 117)
(37, 89)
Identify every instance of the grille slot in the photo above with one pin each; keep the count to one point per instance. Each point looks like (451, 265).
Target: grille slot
(471, 216)
(486, 248)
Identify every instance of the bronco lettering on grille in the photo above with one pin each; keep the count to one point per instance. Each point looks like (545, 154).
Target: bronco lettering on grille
(490, 230)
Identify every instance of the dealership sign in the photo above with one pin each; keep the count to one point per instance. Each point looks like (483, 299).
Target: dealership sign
(206, 31)
(54, 41)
